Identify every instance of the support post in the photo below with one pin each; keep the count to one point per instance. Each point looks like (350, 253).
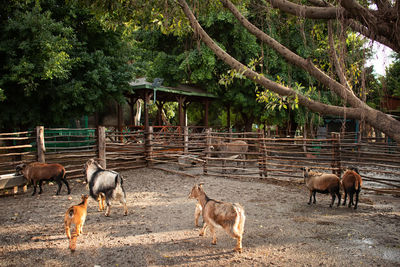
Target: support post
(185, 140)
(41, 149)
(207, 150)
(101, 145)
(149, 146)
(336, 161)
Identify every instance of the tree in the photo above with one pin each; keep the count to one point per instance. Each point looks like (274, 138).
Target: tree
(58, 64)
(360, 18)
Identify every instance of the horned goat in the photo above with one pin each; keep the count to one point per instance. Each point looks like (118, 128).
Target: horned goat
(104, 185)
(217, 213)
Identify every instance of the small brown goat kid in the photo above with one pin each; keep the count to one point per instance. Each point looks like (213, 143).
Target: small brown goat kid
(351, 182)
(38, 172)
(217, 213)
(75, 215)
(322, 183)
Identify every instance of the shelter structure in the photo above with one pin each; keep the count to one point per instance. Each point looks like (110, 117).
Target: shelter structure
(183, 94)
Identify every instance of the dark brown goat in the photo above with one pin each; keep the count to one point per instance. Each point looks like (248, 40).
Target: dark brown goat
(38, 172)
(351, 182)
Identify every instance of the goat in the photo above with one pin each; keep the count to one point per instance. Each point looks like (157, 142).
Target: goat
(351, 182)
(322, 183)
(234, 150)
(38, 172)
(217, 213)
(75, 215)
(104, 185)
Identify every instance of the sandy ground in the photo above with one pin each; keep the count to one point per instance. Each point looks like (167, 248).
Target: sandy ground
(280, 230)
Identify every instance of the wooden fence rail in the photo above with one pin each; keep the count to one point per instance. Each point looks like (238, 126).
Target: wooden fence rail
(266, 158)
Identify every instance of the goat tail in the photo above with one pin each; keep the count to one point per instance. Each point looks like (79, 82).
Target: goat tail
(240, 219)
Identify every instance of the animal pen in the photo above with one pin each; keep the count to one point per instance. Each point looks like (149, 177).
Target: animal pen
(183, 149)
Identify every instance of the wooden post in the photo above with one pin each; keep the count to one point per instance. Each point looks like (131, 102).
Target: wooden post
(41, 149)
(208, 149)
(101, 145)
(120, 123)
(185, 140)
(336, 161)
(262, 161)
(149, 146)
(146, 111)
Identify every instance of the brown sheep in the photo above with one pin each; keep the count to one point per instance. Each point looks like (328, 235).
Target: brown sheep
(38, 172)
(322, 183)
(351, 182)
(217, 213)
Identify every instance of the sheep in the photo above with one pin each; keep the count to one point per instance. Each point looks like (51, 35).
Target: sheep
(234, 150)
(351, 182)
(217, 213)
(104, 185)
(322, 183)
(75, 215)
(38, 172)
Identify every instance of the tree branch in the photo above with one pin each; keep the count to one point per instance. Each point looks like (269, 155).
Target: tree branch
(294, 59)
(260, 79)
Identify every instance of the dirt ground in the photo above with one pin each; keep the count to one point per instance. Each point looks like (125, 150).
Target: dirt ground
(280, 230)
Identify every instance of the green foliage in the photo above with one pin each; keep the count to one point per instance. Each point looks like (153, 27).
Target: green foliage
(392, 78)
(59, 64)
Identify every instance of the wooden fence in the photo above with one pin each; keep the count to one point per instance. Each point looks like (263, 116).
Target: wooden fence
(189, 151)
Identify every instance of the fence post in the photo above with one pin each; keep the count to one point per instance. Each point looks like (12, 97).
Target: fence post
(149, 146)
(261, 160)
(101, 145)
(336, 161)
(207, 150)
(41, 149)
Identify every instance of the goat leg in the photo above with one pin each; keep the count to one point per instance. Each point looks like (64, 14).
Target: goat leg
(203, 230)
(34, 188)
(214, 236)
(355, 206)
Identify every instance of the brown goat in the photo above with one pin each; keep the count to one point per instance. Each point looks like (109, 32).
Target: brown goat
(351, 182)
(38, 172)
(75, 215)
(217, 213)
(322, 183)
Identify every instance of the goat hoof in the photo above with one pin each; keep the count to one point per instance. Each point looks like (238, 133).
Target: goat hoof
(240, 250)
(213, 243)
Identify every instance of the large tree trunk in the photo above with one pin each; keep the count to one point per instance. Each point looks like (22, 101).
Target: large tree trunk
(358, 109)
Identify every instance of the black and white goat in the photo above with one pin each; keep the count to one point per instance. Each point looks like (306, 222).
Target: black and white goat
(104, 185)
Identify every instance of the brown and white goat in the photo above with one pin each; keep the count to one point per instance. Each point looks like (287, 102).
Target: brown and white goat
(351, 182)
(217, 213)
(322, 183)
(75, 215)
(233, 150)
(38, 172)
(104, 185)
